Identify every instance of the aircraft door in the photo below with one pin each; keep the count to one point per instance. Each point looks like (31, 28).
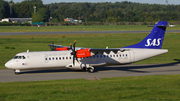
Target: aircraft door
(131, 58)
(46, 59)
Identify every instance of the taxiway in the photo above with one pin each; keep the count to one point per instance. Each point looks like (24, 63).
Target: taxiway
(7, 75)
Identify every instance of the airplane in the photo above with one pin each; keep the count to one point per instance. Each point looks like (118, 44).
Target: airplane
(78, 58)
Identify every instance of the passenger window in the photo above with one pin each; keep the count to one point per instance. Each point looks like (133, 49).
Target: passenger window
(113, 55)
(45, 58)
(126, 55)
(63, 58)
(56, 58)
(49, 58)
(52, 58)
(116, 55)
(69, 57)
(66, 57)
(110, 55)
(59, 58)
(120, 55)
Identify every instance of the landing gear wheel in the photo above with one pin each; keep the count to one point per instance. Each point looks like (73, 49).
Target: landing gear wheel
(90, 70)
(16, 73)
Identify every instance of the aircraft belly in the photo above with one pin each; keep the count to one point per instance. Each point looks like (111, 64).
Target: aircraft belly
(93, 62)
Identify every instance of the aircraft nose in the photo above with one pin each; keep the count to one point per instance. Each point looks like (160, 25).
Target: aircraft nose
(8, 65)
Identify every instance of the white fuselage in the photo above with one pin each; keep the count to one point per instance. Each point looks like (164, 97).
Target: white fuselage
(61, 59)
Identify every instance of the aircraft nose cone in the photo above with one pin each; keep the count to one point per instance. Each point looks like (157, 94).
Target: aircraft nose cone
(8, 65)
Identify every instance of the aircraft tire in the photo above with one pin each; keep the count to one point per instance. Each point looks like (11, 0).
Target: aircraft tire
(16, 73)
(90, 70)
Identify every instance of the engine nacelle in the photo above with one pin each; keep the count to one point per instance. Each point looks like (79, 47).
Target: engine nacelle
(83, 53)
(62, 49)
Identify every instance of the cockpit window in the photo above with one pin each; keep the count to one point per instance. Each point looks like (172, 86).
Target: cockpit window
(15, 57)
(24, 57)
(19, 57)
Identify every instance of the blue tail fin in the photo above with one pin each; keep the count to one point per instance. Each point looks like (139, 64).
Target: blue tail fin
(155, 39)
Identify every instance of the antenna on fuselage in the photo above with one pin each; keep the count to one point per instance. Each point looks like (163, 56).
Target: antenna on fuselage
(27, 50)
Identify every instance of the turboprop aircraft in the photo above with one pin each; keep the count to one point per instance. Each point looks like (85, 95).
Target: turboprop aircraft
(78, 58)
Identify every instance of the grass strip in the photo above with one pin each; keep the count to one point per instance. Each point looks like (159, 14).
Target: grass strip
(140, 88)
(78, 28)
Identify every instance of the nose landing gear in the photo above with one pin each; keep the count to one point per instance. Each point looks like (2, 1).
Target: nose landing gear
(16, 72)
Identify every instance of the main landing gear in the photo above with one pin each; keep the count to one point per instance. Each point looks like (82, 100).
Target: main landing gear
(16, 72)
(90, 69)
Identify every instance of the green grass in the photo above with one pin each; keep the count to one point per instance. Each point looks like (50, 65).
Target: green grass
(77, 28)
(11, 45)
(142, 88)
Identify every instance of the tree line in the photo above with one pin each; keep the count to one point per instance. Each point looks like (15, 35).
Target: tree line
(90, 12)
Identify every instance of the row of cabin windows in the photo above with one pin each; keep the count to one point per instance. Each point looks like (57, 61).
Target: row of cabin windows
(95, 56)
(60, 58)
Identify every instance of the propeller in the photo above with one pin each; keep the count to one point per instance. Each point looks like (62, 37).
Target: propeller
(74, 52)
(52, 46)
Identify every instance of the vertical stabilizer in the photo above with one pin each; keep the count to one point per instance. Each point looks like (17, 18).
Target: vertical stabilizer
(155, 39)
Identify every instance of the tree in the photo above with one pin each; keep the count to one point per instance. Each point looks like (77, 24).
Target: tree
(4, 9)
(41, 15)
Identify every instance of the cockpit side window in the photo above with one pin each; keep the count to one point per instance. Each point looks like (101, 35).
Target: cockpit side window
(24, 57)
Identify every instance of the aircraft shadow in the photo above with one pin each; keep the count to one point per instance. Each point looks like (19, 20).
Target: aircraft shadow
(129, 67)
(47, 71)
(104, 68)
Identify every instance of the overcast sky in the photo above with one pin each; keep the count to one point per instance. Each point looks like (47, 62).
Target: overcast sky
(175, 2)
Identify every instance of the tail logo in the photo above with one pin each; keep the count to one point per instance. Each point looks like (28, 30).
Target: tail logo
(154, 42)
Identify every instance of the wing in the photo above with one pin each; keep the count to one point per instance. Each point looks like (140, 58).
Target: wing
(87, 52)
(61, 48)
(101, 50)
(58, 47)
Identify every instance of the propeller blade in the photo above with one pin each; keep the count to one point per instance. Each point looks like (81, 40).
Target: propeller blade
(73, 60)
(52, 46)
(74, 45)
(76, 58)
(52, 42)
(71, 46)
(74, 52)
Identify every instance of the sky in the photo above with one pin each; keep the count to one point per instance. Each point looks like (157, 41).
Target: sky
(174, 2)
